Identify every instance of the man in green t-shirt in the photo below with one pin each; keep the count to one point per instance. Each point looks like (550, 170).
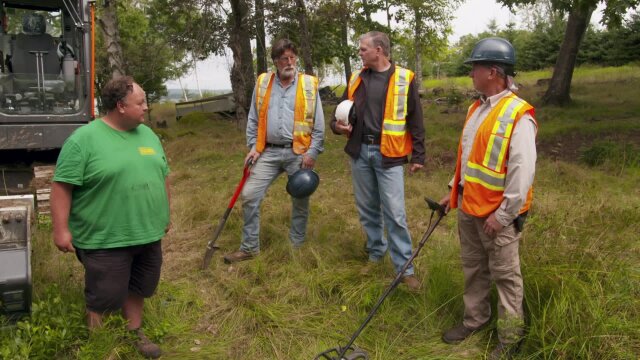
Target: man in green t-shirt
(110, 205)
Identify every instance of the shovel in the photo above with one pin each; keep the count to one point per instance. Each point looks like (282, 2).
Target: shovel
(350, 351)
(211, 248)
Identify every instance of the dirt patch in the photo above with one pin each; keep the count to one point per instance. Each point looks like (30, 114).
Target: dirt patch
(440, 160)
(570, 147)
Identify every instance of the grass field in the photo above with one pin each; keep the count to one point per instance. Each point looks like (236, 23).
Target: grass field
(580, 251)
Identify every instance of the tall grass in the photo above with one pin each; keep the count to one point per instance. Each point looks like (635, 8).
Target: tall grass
(580, 257)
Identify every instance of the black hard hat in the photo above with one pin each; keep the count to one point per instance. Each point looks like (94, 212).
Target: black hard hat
(494, 50)
(303, 183)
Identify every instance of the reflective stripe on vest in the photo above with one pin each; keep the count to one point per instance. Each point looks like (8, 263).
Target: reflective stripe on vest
(497, 147)
(304, 110)
(485, 176)
(395, 141)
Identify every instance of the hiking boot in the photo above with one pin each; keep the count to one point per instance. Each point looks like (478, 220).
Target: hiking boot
(145, 347)
(412, 282)
(458, 333)
(503, 352)
(236, 256)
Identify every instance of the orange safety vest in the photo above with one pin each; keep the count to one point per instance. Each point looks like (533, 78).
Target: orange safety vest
(303, 114)
(484, 180)
(395, 140)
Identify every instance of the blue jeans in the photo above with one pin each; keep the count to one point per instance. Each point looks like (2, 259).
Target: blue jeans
(271, 163)
(380, 194)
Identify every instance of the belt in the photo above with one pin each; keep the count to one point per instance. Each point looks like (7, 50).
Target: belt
(370, 139)
(282, 146)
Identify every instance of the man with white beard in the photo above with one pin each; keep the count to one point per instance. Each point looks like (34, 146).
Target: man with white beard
(285, 132)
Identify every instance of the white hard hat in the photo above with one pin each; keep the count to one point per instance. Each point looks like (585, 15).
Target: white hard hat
(342, 111)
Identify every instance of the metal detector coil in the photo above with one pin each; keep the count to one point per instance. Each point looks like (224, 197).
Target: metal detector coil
(352, 353)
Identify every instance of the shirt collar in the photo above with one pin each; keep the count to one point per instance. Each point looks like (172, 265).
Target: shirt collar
(493, 100)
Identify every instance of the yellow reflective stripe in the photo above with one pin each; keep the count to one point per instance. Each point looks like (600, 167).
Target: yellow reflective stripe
(396, 93)
(393, 132)
(394, 127)
(487, 153)
(400, 98)
(479, 174)
(501, 133)
(354, 77)
(304, 94)
(484, 170)
(309, 93)
(503, 152)
(512, 118)
(395, 122)
(471, 179)
(261, 90)
(504, 107)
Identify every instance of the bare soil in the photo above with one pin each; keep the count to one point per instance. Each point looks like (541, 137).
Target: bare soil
(570, 147)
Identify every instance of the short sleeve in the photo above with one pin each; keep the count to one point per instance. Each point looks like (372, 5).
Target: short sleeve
(165, 165)
(70, 165)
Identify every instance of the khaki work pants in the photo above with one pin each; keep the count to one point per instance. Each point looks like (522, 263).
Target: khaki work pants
(485, 259)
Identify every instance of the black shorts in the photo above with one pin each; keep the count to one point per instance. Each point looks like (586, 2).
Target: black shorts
(111, 274)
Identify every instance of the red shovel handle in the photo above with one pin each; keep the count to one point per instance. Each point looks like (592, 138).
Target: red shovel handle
(245, 176)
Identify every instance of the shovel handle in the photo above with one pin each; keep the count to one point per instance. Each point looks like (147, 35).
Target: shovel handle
(245, 175)
(211, 248)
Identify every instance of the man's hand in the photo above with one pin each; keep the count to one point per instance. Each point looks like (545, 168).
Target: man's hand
(307, 162)
(253, 155)
(62, 240)
(343, 129)
(445, 203)
(414, 167)
(491, 226)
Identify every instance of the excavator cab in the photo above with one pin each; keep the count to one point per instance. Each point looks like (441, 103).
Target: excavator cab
(45, 71)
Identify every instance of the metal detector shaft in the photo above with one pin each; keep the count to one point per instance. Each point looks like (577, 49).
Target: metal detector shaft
(435, 207)
(211, 248)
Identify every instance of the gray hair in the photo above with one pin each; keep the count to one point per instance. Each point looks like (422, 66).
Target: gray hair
(378, 39)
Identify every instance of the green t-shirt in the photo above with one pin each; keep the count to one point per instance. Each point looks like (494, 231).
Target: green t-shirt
(119, 197)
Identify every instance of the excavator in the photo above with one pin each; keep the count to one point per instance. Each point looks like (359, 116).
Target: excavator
(46, 92)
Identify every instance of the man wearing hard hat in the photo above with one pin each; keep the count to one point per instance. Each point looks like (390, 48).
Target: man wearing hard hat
(285, 133)
(386, 127)
(492, 187)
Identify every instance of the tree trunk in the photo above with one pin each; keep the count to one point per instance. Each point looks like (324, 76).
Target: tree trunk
(305, 38)
(195, 73)
(242, 76)
(344, 40)
(560, 85)
(109, 27)
(261, 49)
(418, 47)
(184, 92)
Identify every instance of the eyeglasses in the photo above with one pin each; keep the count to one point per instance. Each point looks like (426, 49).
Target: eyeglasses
(287, 58)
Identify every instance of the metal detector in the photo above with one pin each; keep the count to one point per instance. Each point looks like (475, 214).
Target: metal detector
(352, 352)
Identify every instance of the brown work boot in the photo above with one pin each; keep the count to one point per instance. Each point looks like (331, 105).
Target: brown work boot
(236, 256)
(412, 282)
(503, 352)
(145, 347)
(458, 333)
